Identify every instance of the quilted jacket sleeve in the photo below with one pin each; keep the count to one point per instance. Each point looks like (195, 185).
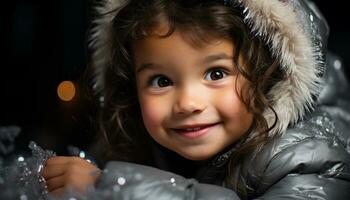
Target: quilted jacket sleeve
(139, 182)
(310, 161)
(315, 168)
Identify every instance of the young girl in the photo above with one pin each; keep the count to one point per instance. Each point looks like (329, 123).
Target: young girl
(219, 92)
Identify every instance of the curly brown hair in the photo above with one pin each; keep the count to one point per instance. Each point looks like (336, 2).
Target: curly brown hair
(121, 121)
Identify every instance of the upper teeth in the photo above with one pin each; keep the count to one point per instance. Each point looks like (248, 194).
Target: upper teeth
(193, 129)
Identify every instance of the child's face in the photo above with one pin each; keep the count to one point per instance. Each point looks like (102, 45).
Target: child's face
(188, 95)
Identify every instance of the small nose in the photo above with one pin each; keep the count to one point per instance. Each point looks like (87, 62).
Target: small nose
(189, 102)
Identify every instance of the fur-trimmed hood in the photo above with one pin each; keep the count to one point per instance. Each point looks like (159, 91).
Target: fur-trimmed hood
(295, 31)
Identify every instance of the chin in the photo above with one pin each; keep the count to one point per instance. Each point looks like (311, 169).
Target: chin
(196, 157)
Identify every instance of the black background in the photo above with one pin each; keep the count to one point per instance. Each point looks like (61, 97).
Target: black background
(45, 42)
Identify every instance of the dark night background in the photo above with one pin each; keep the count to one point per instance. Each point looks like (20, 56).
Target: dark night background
(44, 43)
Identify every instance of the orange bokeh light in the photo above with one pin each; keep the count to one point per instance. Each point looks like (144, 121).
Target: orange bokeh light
(66, 90)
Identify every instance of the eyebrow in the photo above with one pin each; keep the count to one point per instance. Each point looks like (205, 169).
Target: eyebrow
(146, 66)
(208, 59)
(215, 57)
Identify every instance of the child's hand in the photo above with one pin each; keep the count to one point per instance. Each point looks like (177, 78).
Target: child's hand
(64, 173)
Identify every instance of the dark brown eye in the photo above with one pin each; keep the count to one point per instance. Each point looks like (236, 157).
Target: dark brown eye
(215, 74)
(160, 81)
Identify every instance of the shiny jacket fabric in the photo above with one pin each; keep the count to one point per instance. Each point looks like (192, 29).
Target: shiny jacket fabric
(311, 160)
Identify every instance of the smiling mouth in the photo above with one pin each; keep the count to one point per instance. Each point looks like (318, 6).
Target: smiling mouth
(194, 131)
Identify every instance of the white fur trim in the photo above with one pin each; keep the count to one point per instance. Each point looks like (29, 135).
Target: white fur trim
(278, 22)
(101, 39)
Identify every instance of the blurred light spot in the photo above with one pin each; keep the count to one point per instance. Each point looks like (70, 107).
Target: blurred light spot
(23, 197)
(82, 154)
(20, 159)
(121, 180)
(66, 90)
(337, 64)
(312, 18)
(40, 168)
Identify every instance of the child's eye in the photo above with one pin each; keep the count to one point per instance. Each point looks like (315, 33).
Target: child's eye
(160, 81)
(215, 74)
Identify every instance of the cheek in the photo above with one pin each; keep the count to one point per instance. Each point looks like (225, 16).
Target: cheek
(227, 103)
(232, 108)
(153, 113)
